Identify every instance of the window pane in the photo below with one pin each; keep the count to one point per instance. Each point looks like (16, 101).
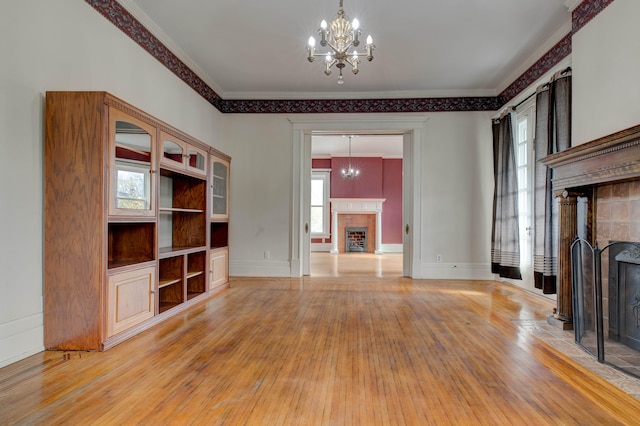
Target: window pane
(317, 192)
(132, 192)
(522, 155)
(317, 226)
(522, 130)
(522, 178)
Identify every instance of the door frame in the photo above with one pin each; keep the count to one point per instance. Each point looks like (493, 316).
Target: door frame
(411, 126)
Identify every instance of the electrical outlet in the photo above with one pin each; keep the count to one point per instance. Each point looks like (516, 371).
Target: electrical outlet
(438, 258)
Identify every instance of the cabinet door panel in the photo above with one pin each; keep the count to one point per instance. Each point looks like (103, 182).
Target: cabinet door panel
(219, 189)
(131, 299)
(172, 152)
(219, 268)
(132, 165)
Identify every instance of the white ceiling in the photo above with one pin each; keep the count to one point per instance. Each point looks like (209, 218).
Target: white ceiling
(386, 146)
(252, 49)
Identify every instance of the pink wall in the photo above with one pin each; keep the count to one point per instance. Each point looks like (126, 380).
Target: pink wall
(321, 163)
(367, 185)
(379, 178)
(392, 207)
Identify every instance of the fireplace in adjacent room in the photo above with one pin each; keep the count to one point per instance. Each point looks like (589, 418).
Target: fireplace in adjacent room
(355, 239)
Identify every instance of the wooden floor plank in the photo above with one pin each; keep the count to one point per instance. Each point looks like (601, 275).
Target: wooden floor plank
(353, 349)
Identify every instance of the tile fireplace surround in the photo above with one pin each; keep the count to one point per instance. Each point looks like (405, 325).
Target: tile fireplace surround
(356, 206)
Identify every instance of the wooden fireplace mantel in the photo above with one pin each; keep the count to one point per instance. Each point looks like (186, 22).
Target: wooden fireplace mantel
(612, 158)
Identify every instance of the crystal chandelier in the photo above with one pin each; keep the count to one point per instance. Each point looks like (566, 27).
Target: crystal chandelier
(340, 35)
(350, 172)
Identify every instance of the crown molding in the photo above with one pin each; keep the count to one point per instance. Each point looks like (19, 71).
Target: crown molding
(572, 4)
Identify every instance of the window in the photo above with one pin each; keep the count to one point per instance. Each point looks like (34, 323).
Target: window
(133, 185)
(525, 164)
(320, 203)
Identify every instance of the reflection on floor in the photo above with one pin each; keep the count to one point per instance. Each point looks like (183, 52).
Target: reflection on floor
(324, 264)
(390, 265)
(564, 341)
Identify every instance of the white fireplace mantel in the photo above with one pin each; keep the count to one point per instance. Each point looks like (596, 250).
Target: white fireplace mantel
(356, 205)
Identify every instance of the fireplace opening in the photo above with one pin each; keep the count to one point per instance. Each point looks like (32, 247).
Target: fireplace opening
(356, 239)
(606, 284)
(624, 294)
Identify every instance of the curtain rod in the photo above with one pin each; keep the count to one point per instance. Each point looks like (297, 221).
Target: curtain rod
(564, 71)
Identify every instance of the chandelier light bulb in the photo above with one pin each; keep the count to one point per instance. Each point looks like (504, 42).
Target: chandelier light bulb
(355, 24)
(369, 39)
(312, 41)
(323, 24)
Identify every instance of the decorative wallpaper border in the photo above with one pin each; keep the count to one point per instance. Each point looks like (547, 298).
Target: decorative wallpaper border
(361, 105)
(586, 11)
(557, 53)
(127, 23)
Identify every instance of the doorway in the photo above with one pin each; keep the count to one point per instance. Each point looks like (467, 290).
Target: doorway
(411, 126)
(354, 167)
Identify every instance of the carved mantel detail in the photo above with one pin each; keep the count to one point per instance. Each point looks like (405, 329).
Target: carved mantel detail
(608, 159)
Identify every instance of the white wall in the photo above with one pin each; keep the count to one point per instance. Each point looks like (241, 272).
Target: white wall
(63, 45)
(457, 195)
(457, 191)
(606, 86)
(260, 197)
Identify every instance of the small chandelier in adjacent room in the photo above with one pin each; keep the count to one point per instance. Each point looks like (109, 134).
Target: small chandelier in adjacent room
(340, 35)
(350, 172)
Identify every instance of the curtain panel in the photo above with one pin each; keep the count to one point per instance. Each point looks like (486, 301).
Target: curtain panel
(552, 134)
(505, 238)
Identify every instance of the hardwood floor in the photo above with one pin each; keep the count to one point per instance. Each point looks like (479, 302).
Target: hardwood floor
(324, 264)
(343, 350)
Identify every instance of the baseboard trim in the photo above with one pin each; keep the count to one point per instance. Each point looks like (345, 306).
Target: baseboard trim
(21, 338)
(457, 271)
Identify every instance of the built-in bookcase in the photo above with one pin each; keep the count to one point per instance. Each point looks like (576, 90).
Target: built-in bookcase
(129, 233)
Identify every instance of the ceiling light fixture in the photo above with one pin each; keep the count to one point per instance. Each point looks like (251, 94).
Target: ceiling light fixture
(350, 172)
(340, 35)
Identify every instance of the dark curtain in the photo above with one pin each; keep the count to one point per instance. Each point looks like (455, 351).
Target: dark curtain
(505, 239)
(553, 134)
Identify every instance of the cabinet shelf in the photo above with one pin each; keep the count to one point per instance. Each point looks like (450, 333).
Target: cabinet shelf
(194, 274)
(167, 282)
(169, 210)
(165, 252)
(165, 306)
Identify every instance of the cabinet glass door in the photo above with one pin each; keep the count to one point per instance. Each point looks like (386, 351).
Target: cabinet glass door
(219, 189)
(196, 160)
(172, 152)
(132, 165)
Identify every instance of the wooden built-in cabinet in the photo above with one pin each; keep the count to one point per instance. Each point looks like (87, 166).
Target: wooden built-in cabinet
(130, 234)
(219, 225)
(219, 189)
